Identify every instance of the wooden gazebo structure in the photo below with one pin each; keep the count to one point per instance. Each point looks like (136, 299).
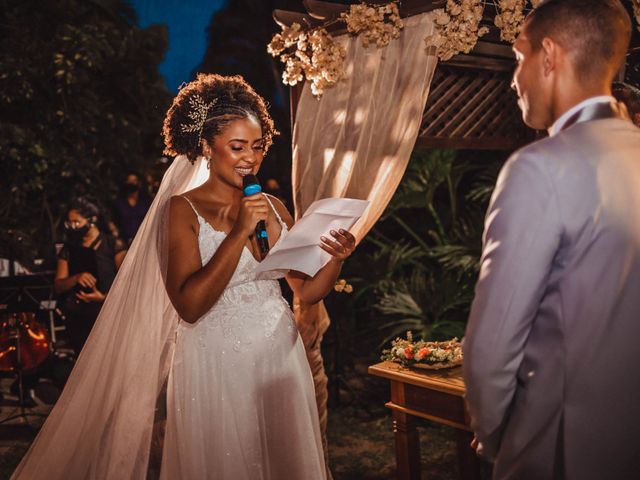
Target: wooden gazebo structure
(471, 104)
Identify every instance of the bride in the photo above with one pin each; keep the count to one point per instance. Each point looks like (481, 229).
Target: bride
(188, 315)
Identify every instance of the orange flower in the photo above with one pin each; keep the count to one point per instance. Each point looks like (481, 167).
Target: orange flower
(408, 352)
(423, 352)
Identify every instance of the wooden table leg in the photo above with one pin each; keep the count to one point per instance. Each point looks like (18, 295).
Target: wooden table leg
(468, 461)
(407, 438)
(407, 446)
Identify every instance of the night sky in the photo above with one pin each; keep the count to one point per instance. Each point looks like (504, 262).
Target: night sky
(187, 21)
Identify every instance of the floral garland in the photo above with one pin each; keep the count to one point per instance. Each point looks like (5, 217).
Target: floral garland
(509, 19)
(374, 24)
(313, 55)
(317, 57)
(421, 354)
(457, 28)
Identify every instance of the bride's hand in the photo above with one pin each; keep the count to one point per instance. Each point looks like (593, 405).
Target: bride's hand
(252, 210)
(340, 248)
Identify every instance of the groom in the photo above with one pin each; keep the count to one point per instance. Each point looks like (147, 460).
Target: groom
(552, 350)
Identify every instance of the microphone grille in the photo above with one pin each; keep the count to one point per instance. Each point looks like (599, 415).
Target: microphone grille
(249, 180)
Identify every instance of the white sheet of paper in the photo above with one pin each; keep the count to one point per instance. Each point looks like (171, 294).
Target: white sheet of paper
(300, 249)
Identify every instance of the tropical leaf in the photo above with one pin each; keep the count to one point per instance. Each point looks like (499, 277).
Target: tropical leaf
(423, 255)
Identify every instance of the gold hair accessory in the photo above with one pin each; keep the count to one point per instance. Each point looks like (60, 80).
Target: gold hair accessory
(198, 114)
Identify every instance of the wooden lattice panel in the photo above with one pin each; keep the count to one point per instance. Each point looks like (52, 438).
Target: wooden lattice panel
(472, 108)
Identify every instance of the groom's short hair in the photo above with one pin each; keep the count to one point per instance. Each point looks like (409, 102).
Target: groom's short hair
(596, 33)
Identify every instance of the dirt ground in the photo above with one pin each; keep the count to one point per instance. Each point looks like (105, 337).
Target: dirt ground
(360, 433)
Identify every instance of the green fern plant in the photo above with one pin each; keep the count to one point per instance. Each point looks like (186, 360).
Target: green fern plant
(422, 257)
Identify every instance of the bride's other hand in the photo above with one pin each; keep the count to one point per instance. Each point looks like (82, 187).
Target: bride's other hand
(341, 246)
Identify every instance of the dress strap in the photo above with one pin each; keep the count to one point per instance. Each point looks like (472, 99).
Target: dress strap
(192, 206)
(282, 224)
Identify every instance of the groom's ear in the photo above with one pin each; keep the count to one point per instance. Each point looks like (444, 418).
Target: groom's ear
(549, 52)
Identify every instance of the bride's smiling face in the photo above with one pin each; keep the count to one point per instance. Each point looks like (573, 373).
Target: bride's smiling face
(237, 151)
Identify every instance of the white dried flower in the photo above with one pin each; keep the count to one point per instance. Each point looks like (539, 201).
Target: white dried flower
(374, 24)
(457, 28)
(442, 17)
(509, 18)
(276, 46)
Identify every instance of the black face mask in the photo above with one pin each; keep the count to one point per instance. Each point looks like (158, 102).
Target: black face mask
(130, 188)
(75, 235)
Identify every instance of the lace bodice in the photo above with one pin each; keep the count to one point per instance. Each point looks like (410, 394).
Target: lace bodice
(245, 283)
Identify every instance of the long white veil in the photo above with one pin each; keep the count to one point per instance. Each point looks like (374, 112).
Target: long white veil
(102, 425)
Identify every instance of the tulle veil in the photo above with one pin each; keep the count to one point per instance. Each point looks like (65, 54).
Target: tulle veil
(103, 424)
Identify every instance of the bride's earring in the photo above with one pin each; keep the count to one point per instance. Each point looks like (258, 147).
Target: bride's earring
(208, 163)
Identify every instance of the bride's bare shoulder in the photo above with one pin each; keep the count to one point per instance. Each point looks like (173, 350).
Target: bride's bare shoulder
(182, 213)
(189, 200)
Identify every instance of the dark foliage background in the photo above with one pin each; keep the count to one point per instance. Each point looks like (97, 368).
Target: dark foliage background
(417, 268)
(81, 101)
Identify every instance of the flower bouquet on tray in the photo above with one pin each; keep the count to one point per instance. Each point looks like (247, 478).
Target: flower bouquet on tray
(422, 354)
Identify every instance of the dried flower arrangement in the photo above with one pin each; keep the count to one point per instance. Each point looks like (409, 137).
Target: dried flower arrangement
(509, 18)
(315, 55)
(374, 24)
(421, 354)
(312, 55)
(457, 28)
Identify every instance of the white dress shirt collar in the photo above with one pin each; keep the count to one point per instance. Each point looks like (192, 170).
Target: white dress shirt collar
(559, 123)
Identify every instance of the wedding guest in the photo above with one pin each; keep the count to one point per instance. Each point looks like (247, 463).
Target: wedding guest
(131, 206)
(630, 96)
(87, 266)
(551, 350)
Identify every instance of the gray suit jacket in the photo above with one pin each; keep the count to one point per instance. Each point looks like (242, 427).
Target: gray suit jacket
(552, 349)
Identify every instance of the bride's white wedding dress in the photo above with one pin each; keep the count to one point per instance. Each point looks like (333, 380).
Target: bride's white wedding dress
(240, 401)
(241, 398)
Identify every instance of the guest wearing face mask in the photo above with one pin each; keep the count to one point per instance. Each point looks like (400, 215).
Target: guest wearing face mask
(87, 266)
(131, 206)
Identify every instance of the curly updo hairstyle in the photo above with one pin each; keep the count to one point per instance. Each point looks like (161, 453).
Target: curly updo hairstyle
(220, 100)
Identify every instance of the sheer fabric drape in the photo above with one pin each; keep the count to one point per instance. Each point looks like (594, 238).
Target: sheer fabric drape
(355, 141)
(102, 425)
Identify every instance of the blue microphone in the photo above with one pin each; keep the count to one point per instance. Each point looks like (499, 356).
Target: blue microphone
(251, 186)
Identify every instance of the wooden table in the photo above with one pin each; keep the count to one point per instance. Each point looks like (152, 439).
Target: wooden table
(436, 395)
